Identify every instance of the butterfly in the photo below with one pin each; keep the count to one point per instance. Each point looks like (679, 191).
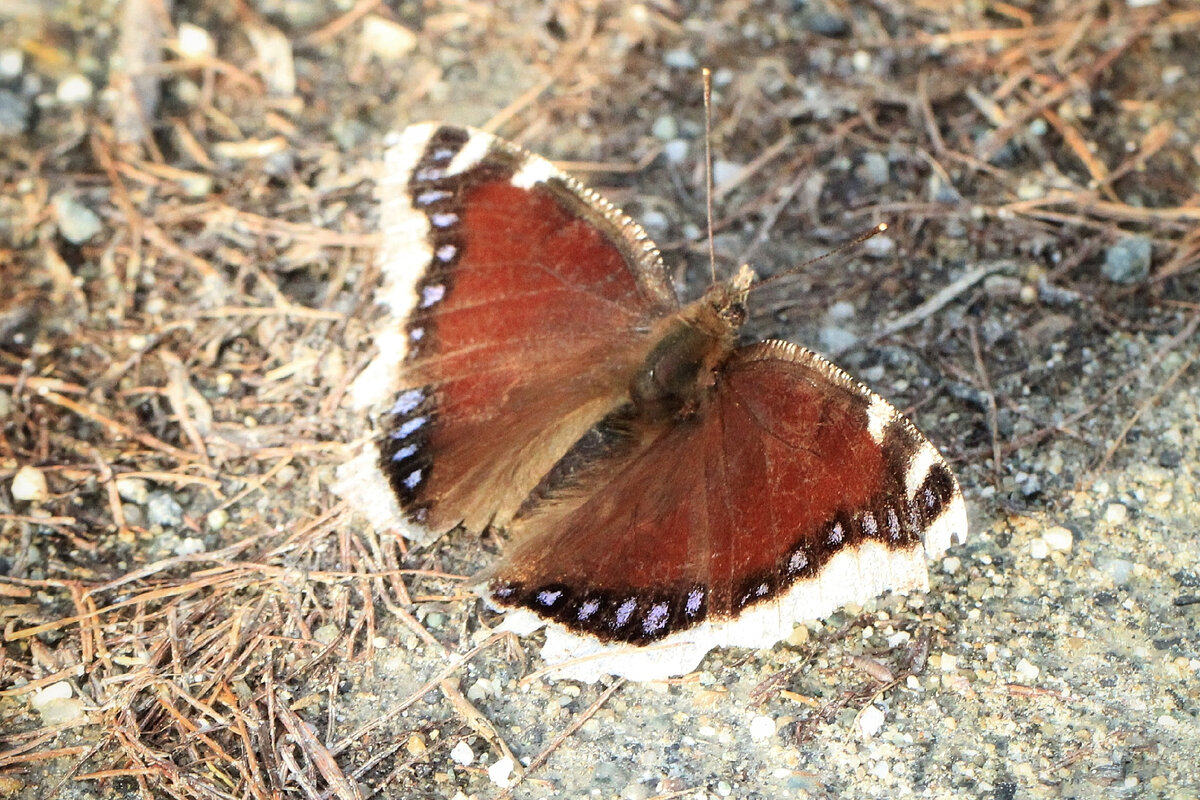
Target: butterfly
(666, 488)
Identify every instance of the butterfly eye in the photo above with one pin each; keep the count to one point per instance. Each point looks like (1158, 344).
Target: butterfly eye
(734, 314)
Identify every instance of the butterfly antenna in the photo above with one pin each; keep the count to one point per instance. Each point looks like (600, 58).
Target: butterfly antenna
(855, 242)
(708, 170)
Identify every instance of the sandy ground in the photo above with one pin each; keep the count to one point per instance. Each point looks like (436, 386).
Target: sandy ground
(184, 286)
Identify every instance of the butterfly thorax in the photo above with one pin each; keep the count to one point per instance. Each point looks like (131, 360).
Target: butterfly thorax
(680, 372)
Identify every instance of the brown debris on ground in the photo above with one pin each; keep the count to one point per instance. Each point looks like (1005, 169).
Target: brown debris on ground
(185, 267)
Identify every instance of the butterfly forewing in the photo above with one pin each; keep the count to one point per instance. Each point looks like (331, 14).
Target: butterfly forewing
(517, 304)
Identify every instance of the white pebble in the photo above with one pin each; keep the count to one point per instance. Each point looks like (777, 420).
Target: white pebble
(879, 246)
(12, 62)
(195, 42)
(870, 721)
(1059, 539)
(1119, 568)
(1116, 514)
(655, 220)
(74, 90)
(1027, 672)
(29, 485)
(190, 546)
(501, 772)
(480, 690)
(841, 311)
(1039, 549)
(387, 40)
(462, 754)
(726, 172)
(135, 490)
(951, 565)
(56, 705)
(1173, 74)
(679, 59)
(665, 128)
(216, 519)
(48, 694)
(949, 662)
(762, 727)
(676, 151)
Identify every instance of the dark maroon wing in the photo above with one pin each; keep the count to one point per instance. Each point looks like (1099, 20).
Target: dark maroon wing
(795, 491)
(517, 303)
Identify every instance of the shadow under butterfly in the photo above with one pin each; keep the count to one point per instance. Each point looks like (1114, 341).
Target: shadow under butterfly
(666, 490)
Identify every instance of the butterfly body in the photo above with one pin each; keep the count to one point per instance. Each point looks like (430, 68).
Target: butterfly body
(665, 489)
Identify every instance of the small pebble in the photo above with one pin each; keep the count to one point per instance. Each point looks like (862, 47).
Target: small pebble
(1039, 549)
(134, 516)
(861, 61)
(655, 220)
(870, 721)
(462, 754)
(163, 509)
(60, 690)
(190, 546)
(327, 633)
(948, 663)
(501, 772)
(216, 519)
(762, 727)
(135, 490)
(1116, 514)
(726, 172)
(56, 704)
(836, 340)
(1059, 539)
(1026, 672)
(676, 151)
(14, 113)
(680, 59)
(879, 246)
(665, 128)
(74, 90)
(875, 169)
(951, 565)
(12, 63)
(826, 23)
(799, 636)
(480, 690)
(841, 311)
(1119, 568)
(635, 790)
(195, 42)
(387, 40)
(76, 222)
(940, 191)
(29, 485)
(1128, 261)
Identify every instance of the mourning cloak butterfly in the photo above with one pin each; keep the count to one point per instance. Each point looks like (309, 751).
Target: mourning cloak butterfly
(667, 489)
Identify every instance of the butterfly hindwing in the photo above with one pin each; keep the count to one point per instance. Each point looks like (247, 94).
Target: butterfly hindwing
(796, 491)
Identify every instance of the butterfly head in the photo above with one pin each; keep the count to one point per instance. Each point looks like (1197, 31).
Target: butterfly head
(727, 300)
(680, 371)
